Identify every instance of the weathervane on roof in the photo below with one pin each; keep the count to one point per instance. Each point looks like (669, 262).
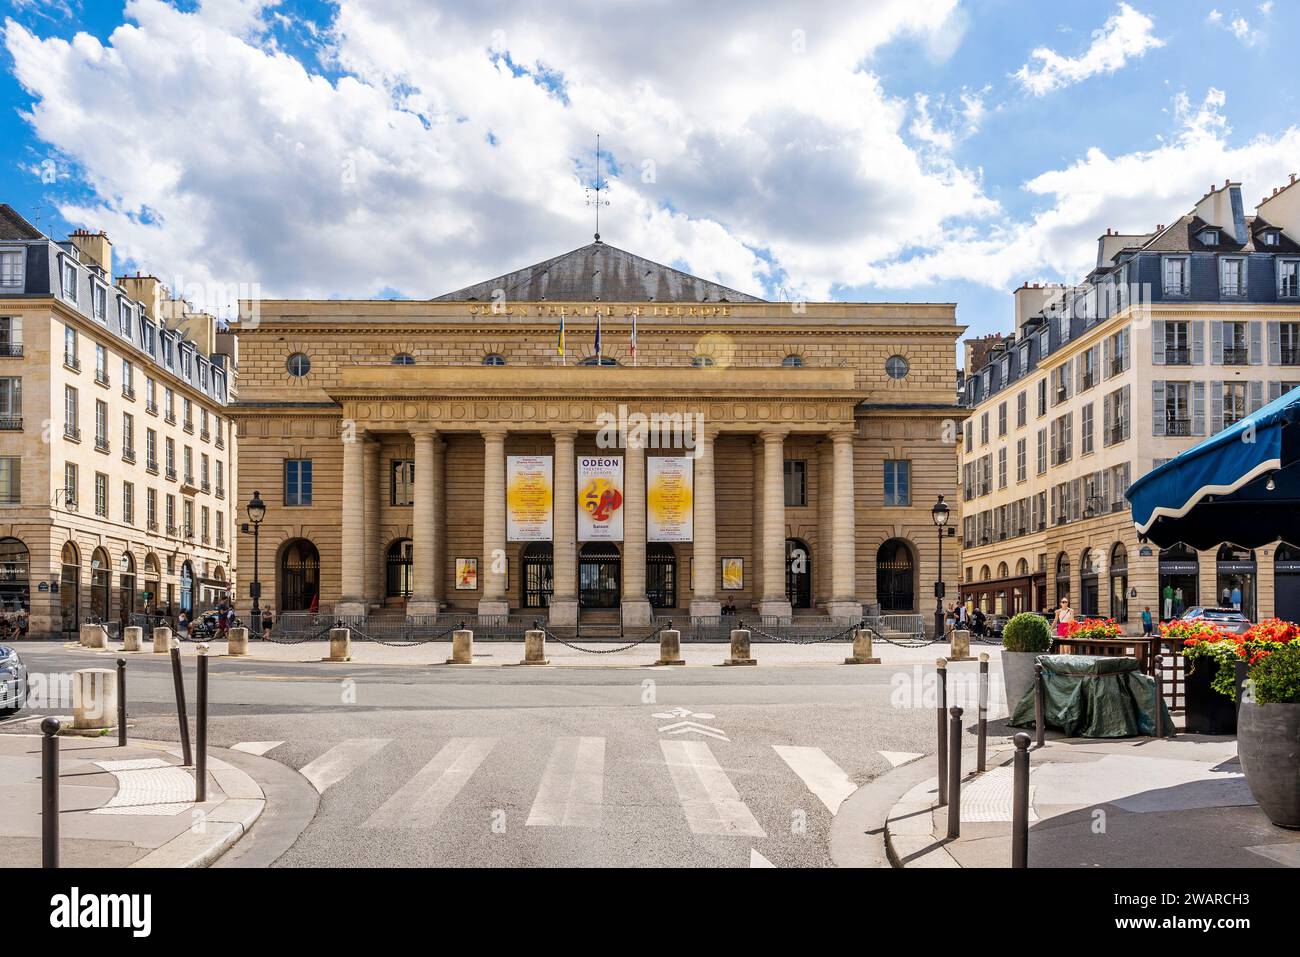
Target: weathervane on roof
(597, 201)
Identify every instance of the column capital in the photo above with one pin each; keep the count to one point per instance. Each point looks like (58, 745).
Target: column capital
(494, 434)
(843, 435)
(424, 433)
(564, 435)
(773, 435)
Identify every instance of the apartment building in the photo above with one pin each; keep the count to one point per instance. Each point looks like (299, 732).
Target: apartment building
(1175, 335)
(117, 456)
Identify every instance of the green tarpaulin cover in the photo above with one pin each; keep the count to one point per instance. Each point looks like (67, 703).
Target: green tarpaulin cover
(1092, 697)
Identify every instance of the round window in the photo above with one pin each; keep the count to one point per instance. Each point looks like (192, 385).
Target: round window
(792, 362)
(701, 362)
(298, 364)
(896, 367)
(494, 359)
(403, 359)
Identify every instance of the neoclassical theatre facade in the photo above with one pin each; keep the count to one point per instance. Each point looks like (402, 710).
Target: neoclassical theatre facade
(598, 435)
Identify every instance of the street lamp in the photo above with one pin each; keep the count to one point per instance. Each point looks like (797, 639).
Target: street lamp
(940, 515)
(256, 510)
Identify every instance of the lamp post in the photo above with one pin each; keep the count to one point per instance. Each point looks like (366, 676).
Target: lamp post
(256, 510)
(940, 516)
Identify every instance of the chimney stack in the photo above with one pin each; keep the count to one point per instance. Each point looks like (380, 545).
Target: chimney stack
(94, 247)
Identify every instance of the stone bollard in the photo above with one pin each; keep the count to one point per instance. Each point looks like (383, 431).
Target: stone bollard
(340, 645)
(462, 647)
(740, 648)
(237, 642)
(960, 645)
(94, 699)
(94, 636)
(534, 647)
(162, 640)
(862, 649)
(670, 647)
(132, 636)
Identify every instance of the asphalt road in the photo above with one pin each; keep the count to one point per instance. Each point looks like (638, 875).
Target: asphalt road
(530, 767)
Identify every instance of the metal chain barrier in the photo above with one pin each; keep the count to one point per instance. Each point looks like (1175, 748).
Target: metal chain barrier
(406, 643)
(551, 636)
(914, 641)
(321, 632)
(800, 641)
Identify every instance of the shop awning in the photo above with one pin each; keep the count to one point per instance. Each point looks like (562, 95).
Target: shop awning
(1219, 490)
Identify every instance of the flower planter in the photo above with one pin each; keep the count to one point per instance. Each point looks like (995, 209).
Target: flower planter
(1017, 675)
(1206, 711)
(1268, 742)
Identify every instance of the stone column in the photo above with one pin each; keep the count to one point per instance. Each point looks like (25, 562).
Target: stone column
(494, 600)
(825, 524)
(374, 541)
(774, 600)
(754, 568)
(636, 608)
(439, 518)
(564, 599)
(705, 601)
(352, 569)
(844, 601)
(424, 592)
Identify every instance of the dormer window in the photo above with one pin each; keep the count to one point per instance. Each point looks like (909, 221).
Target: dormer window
(124, 318)
(99, 301)
(1232, 277)
(11, 269)
(1271, 237)
(1209, 237)
(68, 278)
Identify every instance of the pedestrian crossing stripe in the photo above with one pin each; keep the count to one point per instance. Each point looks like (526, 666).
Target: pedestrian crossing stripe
(341, 760)
(421, 800)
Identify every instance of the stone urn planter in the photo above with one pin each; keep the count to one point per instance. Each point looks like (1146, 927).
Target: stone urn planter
(1024, 638)
(1268, 742)
(1017, 675)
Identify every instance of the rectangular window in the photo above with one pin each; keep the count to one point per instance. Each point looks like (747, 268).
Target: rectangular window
(101, 364)
(11, 335)
(1002, 467)
(796, 483)
(187, 507)
(1119, 353)
(101, 495)
(1178, 408)
(124, 324)
(101, 424)
(1288, 279)
(11, 269)
(70, 427)
(11, 402)
(1176, 276)
(171, 457)
(1236, 344)
(1022, 460)
(151, 450)
(128, 434)
(70, 357)
(297, 482)
(1234, 402)
(11, 480)
(128, 379)
(1042, 451)
(401, 484)
(898, 482)
(1002, 419)
(1085, 429)
(128, 503)
(221, 479)
(1232, 278)
(1178, 350)
(984, 429)
(71, 495)
(99, 301)
(151, 508)
(68, 280)
(171, 515)
(1022, 409)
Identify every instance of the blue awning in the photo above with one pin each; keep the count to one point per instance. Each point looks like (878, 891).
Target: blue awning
(1218, 491)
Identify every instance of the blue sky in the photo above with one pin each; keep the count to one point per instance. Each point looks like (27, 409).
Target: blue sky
(896, 149)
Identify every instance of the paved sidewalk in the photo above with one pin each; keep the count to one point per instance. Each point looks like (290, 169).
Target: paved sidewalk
(1137, 802)
(122, 807)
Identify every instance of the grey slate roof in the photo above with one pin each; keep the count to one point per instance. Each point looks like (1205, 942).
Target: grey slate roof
(1182, 236)
(598, 272)
(14, 227)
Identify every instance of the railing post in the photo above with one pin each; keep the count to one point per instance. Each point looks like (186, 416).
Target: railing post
(121, 702)
(954, 773)
(201, 728)
(1159, 716)
(50, 792)
(1039, 707)
(1020, 803)
(984, 711)
(182, 716)
(941, 692)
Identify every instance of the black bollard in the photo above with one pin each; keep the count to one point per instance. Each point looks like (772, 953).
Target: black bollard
(1159, 717)
(941, 690)
(984, 711)
(954, 773)
(179, 682)
(201, 729)
(121, 702)
(50, 793)
(1020, 804)
(1040, 725)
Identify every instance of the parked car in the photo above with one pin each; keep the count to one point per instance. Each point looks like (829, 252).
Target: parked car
(204, 627)
(994, 624)
(13, 681)
(1229, 619)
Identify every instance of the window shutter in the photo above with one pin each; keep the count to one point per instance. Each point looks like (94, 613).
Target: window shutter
(1275, 343)
(1158, 407)
(1123, 412)
(1256, 395)
(1198, 343)
(1274, 391)
(1216, 342)
(1067, 377)
(1105, 358)
(1256, 351)
(1216, 406)
(1158, 342)
(1054, 504)
(1198, 408)
(1107, 417)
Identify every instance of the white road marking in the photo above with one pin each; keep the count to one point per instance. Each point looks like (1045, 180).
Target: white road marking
(693, 727)
(758, 860)
(895, 758)
(711, 802)
(824, 777)
(341, 760)
(255, 747)
(421, 800)
(573, 785)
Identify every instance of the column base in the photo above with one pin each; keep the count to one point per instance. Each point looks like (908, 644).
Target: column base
(637, 613)
(351, 608)
(418, 607)
(493, 606)
(563, 613)
(705, 608)
(844, 609)
(775, 608)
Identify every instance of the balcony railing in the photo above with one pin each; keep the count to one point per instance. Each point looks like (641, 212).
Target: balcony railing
(101, 377)
(173, 531)
(189, 426)
(72, 432)
(1117, 365)
(221, 442)
(170, 418)
(128, 393)
(1178, 425)
(1178, 356)
(1236, 355)
(204, 434)
(101, 443)
(205, 485)
(152, 524)
(205, 538)
(189, 531)
(1117, 434)
(1232, 290)
(11, 350)
(1087, 380)
(221, 491)
(1290, 356)
(171, 473)
(1060, 456)
(128, 455)
(151, 407)
(72, 362)
(11, 423)
(151, 465)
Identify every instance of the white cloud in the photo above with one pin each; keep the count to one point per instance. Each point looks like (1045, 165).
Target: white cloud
(1125, 35)
(1239, 26)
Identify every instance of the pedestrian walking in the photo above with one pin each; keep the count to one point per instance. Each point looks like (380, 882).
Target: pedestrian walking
(1147, 625)
(267, 623)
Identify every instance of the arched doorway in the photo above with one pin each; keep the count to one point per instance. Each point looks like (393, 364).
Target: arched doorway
(70, 589)
(1286, 582)
(100, 575)
(127, 594)
(14, 570)
(299, 575)
(539, 575)
(1089, 584)
(398, 570)
(661, 575)
(1062, 577)
(1119, 582)
(1236, 579)
(896, 577)
(187, 588)
(599, 575)
(798, 573)
(1180, 571)
(152, 578)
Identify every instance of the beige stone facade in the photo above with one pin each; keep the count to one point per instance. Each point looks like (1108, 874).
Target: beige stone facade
(791, 413)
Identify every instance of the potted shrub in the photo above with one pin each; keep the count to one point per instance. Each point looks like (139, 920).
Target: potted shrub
(1268, 733)
(1024, 638)
(1210, 659)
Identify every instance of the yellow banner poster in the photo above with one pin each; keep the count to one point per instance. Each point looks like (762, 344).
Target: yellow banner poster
(600, 498)
(670, 498)
(528, 498)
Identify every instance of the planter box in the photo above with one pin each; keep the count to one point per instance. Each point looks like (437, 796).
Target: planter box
(1205, 710)
(1268, 742)
(1017, 675)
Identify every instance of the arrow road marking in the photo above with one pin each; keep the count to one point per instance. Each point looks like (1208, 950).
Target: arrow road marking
(710, 801)
(686, 727)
